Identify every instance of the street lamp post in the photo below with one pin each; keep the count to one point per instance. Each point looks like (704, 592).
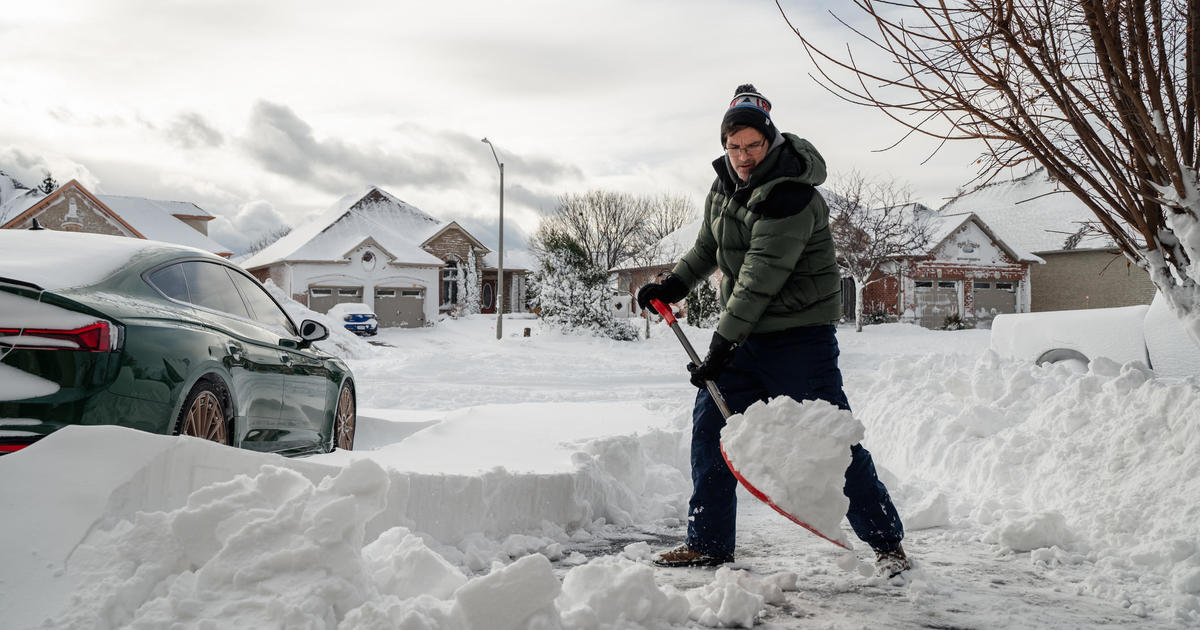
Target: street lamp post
(500, 255)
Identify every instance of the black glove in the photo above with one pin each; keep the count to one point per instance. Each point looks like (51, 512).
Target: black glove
(720, 355)
(669, 290)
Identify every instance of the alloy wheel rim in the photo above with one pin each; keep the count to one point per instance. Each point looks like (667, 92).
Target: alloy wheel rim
(345, 419)
(205, 418)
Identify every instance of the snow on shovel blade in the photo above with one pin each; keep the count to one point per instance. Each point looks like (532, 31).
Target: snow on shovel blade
(761, 496)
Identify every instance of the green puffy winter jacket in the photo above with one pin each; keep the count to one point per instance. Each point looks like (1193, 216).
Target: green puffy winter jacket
(770, 239)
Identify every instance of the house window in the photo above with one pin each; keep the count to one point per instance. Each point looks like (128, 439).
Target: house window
(321, 292)
(385, 293)
(368, 260)
(924, 284)
(349, 292)
(450, 283)
(411, 293)
(1007, 286)
(983, 285)
(947, 285)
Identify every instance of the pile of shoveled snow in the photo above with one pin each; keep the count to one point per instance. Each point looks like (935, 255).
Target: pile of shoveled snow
(796, 453)
(1100, 467)
(278, 549)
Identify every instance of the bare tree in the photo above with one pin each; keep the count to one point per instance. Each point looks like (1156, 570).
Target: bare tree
(873, 223)
(605, 223)
(1102, 93)
(668, 213)
(614, 226)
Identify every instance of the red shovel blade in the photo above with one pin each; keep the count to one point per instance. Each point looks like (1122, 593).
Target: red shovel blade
(761, 496)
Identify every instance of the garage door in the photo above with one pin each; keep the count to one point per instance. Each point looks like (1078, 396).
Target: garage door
(322, 298)
(400, 307)
(935, 299)
(993, 298)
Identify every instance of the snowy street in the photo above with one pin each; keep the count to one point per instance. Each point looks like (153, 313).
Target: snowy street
(1033, 498)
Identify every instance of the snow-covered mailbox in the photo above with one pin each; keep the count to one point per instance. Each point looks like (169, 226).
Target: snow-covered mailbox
(1150, 334)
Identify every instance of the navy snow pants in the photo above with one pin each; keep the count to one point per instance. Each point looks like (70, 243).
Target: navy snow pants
(801, 363)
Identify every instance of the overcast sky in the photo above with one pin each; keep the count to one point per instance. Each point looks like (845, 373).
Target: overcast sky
(268, 111)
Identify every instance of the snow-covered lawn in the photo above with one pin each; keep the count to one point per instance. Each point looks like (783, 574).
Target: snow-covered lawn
(526, 483)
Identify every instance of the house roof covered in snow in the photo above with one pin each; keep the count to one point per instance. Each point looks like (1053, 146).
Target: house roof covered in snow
(1032, 213)
(161, 220)
(396, 226)
(15, 197)
(943, 226)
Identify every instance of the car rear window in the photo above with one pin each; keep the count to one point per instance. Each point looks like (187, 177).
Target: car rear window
(170, 281)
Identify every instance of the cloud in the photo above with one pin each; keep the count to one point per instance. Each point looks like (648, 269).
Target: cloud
(190, 130)
(253, 221)
(283, 143)
(31, 169)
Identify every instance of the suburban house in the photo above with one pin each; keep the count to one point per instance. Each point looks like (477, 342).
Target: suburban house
(1036, 215)
(630, 274)
(376, 249)
(967, 272)
(73, 208)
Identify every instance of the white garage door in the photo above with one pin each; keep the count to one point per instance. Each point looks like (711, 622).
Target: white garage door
(936, 299)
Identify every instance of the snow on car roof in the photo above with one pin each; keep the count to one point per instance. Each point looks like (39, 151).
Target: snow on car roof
(57, 260)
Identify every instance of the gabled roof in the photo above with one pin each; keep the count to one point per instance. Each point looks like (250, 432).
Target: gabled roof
(162, 220)
(398, 227)
(1033, 213)
(143, 218)
(454, 224)
(46, 200)
(943, 226)
(179, 209)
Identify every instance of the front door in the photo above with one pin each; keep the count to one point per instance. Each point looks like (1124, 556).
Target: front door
(487, 296)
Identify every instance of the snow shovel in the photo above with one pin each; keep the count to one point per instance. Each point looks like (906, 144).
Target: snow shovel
(667, 315)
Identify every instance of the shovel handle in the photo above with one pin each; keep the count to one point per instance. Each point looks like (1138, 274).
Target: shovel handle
(666, 313)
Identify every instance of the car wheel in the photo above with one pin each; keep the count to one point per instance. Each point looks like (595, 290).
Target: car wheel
(205, 412)
(345, 418)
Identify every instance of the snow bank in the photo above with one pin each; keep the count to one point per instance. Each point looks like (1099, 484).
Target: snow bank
(1100, 467)
(289, 544)
(796, 453)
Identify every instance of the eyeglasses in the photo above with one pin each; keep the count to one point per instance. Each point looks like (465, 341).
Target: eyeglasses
(753, 147)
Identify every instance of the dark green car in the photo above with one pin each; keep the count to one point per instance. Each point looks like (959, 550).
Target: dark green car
(168, 339)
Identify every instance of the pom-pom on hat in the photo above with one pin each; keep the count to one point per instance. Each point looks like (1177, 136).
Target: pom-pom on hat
(751, 109)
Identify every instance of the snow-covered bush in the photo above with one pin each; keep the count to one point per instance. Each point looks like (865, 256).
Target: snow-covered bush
(703, 306)
(572, 293)
(469, 286)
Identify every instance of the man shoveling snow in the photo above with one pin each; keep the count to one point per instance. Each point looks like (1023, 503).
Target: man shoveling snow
(766, 227)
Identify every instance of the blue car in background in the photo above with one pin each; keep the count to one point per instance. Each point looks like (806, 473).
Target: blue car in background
(358, 318)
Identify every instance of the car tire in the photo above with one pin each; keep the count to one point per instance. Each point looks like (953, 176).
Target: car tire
(206, 412)
(345, 418)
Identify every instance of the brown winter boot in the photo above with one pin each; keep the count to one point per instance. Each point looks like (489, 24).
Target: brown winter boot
(685, 556)
(889, 564)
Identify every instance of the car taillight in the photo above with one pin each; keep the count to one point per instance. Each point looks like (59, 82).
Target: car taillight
(100, 336)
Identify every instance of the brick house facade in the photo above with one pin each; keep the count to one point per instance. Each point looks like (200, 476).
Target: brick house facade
(968, 272)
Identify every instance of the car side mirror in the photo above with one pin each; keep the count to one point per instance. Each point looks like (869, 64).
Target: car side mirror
(311, 332)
